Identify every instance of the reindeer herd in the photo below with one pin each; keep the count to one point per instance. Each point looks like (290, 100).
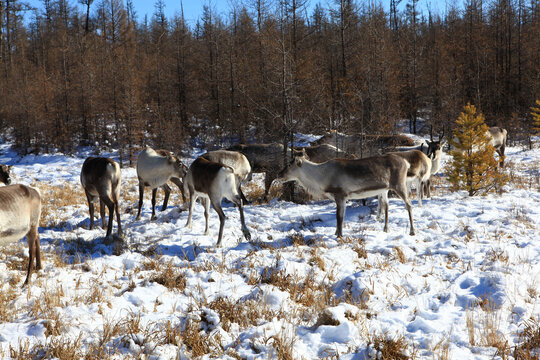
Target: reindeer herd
(322, 169)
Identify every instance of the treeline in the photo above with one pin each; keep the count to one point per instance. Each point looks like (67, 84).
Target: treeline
(96, 74)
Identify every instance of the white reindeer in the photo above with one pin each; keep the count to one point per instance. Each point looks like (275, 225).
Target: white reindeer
(20, 210)
(154, 169)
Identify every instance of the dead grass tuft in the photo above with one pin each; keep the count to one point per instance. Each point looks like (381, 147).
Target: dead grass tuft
(170, 277)
(196, 340)
(529, 341)
(390, 348)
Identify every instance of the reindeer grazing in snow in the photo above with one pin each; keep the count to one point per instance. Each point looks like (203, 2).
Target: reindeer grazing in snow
(20, 209)
(100, 178)
(154, 169)
(342, 179)
(5, 176)
(212, 181)
(237, 161)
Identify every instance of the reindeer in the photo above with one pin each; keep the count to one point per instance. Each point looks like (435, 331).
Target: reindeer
(237, 161)
(434, 152)
(5, 176)
(418, 173)
(101, 178)
(362, 144)
(497, 136)
(212, 181)
(265, 158)
(154, 169)
(343, 179)
(322, 152)
(20, 210)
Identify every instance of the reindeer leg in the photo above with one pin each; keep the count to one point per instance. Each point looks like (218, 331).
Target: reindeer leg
(167, 190)
(102, 213)
(340, 214)
(419, 192)
(379, 208)
(32, 253)
(118, 218)
(154, 192)
(206, 204)
(245, 230)
(192, 201)
(384, 207)
(221, 214)
(141, 196)
(408, 206)
(110, 206)
(90, 209)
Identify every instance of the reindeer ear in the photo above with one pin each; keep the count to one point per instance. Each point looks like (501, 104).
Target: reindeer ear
(9, 167)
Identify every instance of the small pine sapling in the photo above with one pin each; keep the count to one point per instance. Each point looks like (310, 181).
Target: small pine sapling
(474, 167)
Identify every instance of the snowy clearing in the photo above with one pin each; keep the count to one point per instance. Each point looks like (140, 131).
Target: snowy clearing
(466, 286)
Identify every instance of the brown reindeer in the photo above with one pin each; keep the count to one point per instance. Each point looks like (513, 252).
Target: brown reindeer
(212, 181)
(154, 169)
(100, 178)
(20, 210)
(343, 179)
(5, 174)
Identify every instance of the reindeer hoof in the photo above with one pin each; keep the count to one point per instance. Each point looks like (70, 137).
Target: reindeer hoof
(412, 233)
(154, 217)
(247, 234)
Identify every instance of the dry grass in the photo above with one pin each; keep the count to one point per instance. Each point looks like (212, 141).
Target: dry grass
(389, 348)
(529, 341)
(54, 198)
(170, 277)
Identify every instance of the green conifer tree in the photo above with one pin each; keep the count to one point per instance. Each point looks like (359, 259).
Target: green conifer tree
(474, 167)
(535, 112)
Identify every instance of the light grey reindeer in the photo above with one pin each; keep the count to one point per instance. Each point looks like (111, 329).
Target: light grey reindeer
(212, 181)
(343, 179)
(101, 178)
(154, 169)
(20, 210)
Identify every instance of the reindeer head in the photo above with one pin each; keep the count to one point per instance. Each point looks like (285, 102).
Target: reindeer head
(434, 146)
(289, 173)
(5, 174)
(179, 167)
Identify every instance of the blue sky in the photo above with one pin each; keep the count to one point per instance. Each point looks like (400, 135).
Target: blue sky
(193, 8)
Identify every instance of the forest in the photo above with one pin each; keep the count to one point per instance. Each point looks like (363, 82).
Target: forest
(94, 73)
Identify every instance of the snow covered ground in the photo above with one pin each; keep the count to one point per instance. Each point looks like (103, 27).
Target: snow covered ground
(467, 286)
